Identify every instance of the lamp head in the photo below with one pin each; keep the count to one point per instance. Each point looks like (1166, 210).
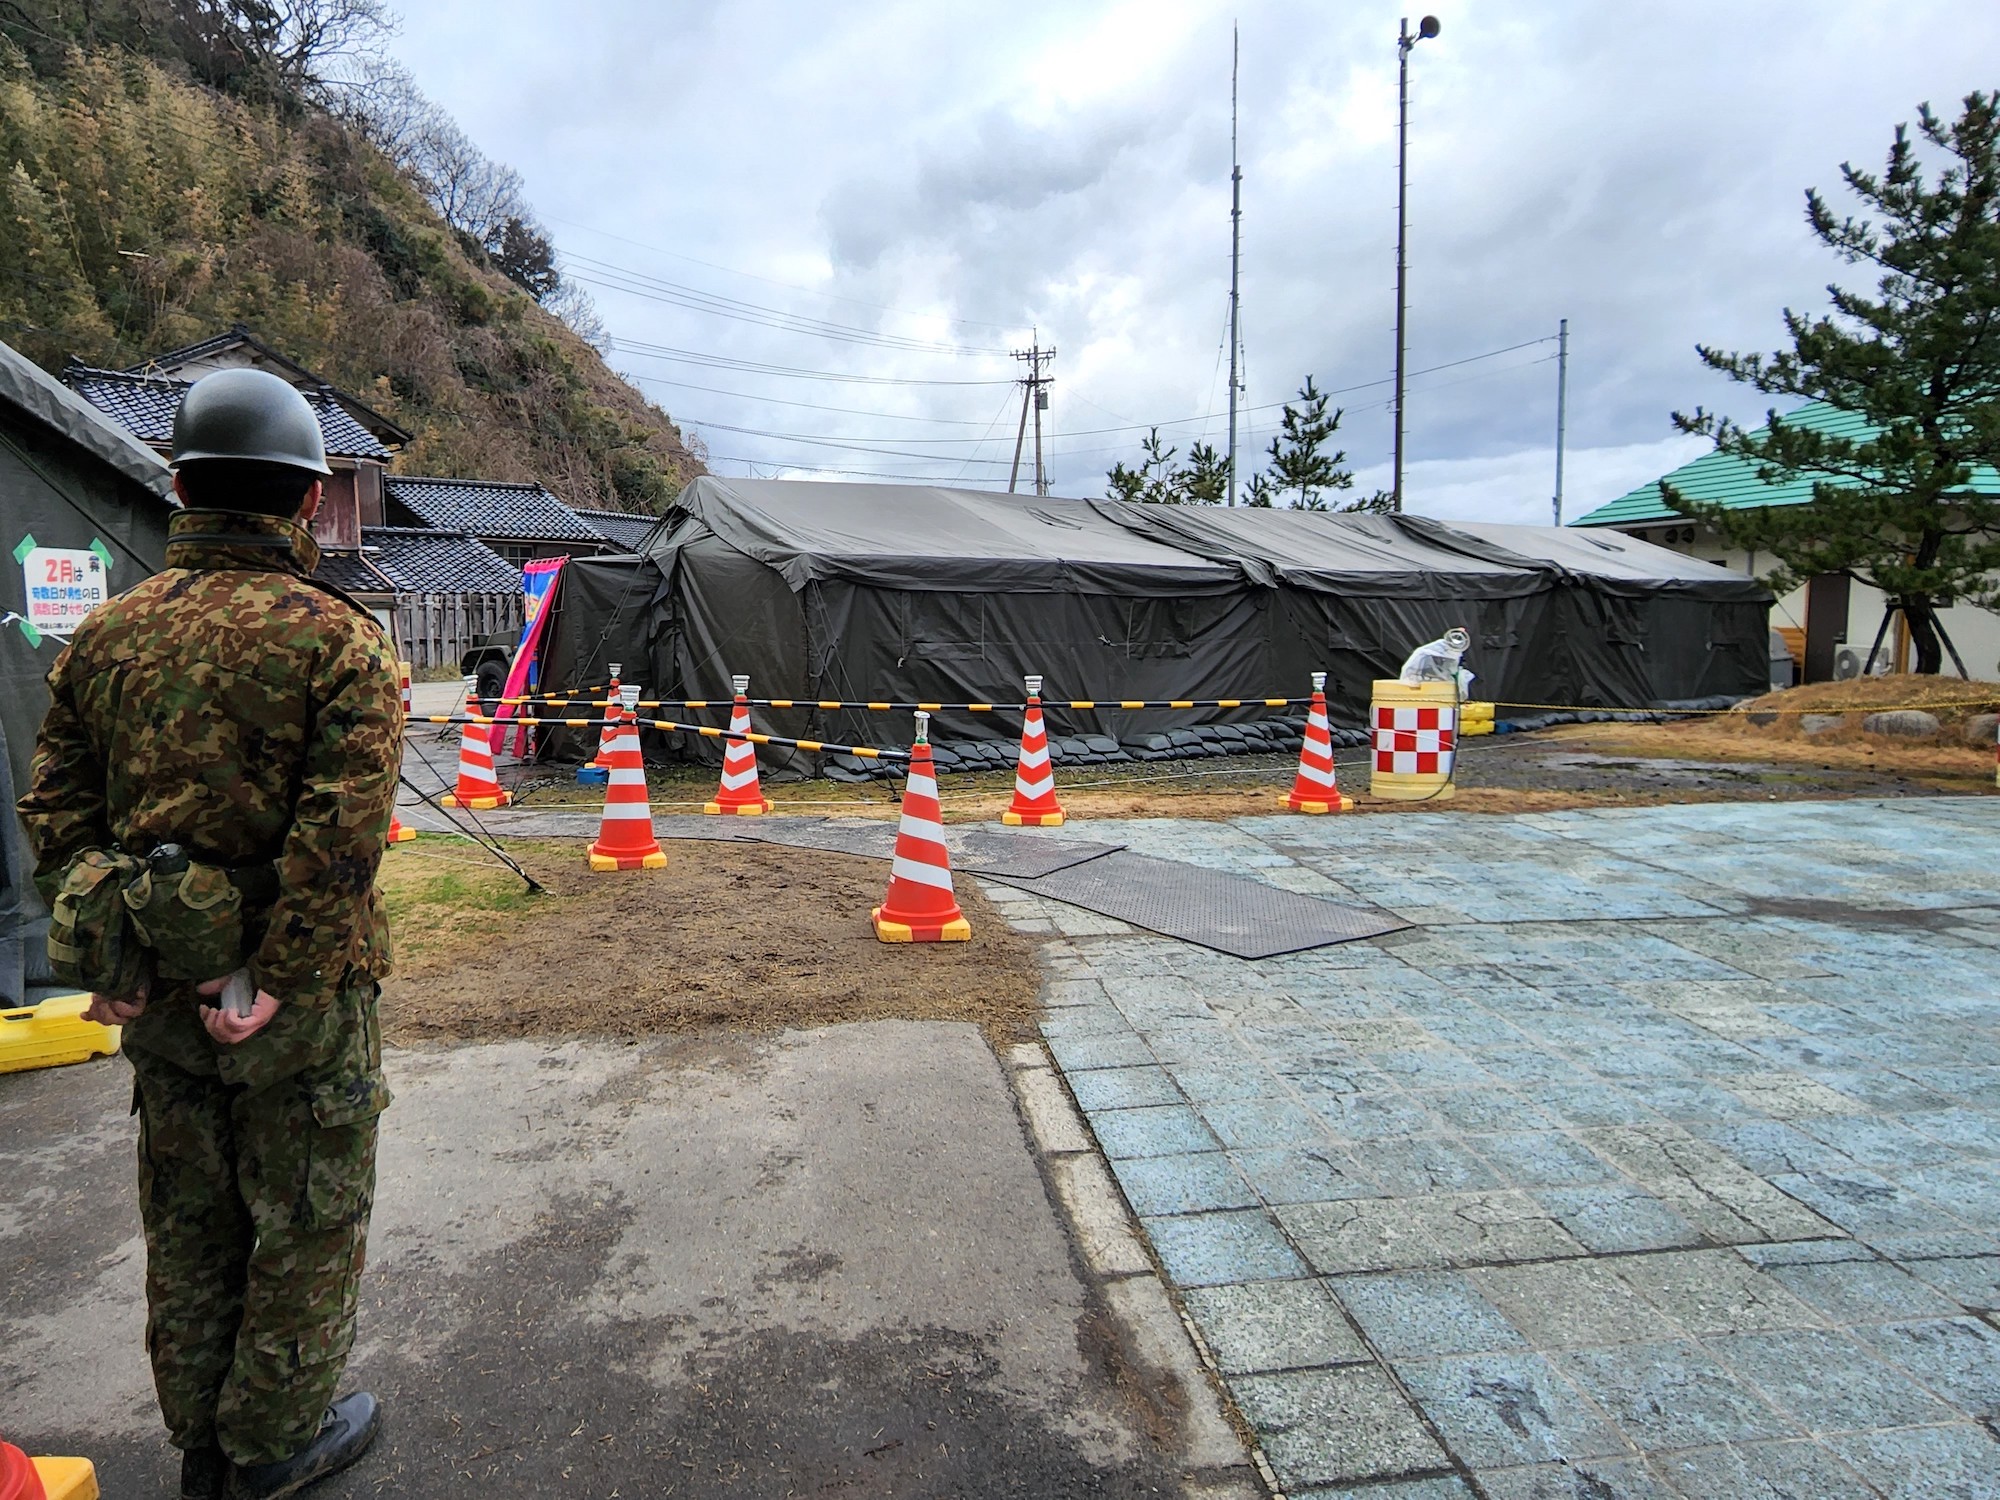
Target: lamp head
(1427, 27)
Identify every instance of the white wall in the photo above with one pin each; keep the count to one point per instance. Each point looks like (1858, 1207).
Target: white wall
(1976, 632)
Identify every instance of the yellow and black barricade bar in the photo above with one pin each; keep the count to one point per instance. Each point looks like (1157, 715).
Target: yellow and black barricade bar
(880, 706)
(860, 752)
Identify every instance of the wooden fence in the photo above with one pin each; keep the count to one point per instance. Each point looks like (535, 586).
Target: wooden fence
(437, 629)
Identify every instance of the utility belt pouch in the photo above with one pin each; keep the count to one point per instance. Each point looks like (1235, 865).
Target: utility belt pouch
(93, 943)
(190, 914)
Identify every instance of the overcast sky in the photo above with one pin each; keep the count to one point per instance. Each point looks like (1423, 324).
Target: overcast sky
(960, 177)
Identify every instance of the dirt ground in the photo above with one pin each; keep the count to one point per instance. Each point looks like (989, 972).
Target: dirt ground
(742, 935)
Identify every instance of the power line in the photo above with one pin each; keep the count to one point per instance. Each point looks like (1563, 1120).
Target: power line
(851, 411)
(606, 275)
(831, 438)
(825, 442)
(787, 372)
(723, 458)
(768, 281)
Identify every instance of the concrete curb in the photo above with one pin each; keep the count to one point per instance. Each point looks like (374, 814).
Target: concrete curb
(1158, 1334)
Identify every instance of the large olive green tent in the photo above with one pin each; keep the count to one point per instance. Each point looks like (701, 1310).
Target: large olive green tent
(83, 515)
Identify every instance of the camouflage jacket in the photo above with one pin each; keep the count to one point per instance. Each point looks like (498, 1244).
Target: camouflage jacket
(231, 706)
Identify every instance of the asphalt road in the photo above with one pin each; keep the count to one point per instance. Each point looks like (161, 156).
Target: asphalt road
(820, 1263)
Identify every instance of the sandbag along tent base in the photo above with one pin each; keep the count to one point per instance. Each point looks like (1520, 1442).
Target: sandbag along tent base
(83, 515)
(914, 593)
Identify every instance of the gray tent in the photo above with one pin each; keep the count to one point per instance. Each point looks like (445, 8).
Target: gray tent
(83, 514)
(1556, 616)
(906, 592)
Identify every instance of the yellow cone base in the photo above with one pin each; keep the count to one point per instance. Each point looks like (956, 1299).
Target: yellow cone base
(958, 930)
(53, 1034)
(741, 809)
(1300, 804)
(653, 861)
(401, 834)
(476, 804)
(67, 1478)
(1032, 820)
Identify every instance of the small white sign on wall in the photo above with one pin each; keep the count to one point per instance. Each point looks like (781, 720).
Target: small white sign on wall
(62, 584)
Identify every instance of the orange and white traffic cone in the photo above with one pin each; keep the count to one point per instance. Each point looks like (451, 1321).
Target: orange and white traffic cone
(1034, 804)
(602, 760)
(739, 792)
(625, 838)
(398, 834)
(477, 786)
(920, 906)
(1314, 789)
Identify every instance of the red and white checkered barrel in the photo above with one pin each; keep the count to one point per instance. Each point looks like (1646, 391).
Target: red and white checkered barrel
(1416, 740)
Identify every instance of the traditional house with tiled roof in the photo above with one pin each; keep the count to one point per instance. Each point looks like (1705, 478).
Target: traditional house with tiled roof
(452, 590)
(625, 529)
(521, 522)
(360, 441)
(1830, 623)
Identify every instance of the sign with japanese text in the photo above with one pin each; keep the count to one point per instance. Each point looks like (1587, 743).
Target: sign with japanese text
(62, 584)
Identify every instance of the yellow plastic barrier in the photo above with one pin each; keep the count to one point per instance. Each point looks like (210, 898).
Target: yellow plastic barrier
(1416, 738)
(67, 1478)
(1475, 718)
(52, 1034)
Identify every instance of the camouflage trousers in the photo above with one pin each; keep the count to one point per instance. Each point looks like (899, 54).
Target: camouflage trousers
(255, 1203)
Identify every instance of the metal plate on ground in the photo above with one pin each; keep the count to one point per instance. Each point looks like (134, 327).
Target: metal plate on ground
(974, 851)
(1211, 908)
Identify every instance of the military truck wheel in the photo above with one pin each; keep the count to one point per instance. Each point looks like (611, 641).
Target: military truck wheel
(492, 683)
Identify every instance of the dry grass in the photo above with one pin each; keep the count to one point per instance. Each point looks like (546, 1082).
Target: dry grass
(749, 936)
(1738, 735)
(1950, 698)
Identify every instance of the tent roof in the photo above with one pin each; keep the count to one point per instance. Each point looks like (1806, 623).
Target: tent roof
(1327, 552)
(922, 537)
(30, 389)
(1362, 554)
(1608, 556)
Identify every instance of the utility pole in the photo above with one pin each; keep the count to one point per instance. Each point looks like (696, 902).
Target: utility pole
(1562, 407)
(1426, 28)
(1034, 394)
(1235, 262)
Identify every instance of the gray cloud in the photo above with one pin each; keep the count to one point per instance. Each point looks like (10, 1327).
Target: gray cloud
(1637, 169)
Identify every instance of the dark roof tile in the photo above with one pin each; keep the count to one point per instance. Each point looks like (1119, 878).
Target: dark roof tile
(352, 572)
(489, 508)
(628, 530)
(144, 405)
(421, 561)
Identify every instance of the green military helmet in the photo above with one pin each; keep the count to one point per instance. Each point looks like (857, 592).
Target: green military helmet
(248, 415)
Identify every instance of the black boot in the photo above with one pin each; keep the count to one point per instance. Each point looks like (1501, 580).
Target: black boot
(345, 1432)
(204, 1472)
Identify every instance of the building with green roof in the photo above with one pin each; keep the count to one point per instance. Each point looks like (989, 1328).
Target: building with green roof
(1830, 623)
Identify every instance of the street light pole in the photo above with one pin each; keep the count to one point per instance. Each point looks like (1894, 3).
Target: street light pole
(1426, 28)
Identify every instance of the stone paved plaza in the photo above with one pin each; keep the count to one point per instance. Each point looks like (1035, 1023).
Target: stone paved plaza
(1661, 1157)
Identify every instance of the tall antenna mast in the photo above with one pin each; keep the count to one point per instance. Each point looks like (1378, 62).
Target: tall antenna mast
(1235, 259)
(1562, 407)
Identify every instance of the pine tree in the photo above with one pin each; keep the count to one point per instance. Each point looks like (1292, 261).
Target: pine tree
(1919, 362)
(1154, 482)
(1296, 460)
(1205, 481)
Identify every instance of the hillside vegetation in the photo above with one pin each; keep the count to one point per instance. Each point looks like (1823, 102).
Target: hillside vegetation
(145, 208)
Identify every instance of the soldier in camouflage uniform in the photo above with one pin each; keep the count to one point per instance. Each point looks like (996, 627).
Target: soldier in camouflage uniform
(232, 706)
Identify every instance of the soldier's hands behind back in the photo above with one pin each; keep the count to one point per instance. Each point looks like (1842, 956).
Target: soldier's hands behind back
(229, 1028)
(115, 1010)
